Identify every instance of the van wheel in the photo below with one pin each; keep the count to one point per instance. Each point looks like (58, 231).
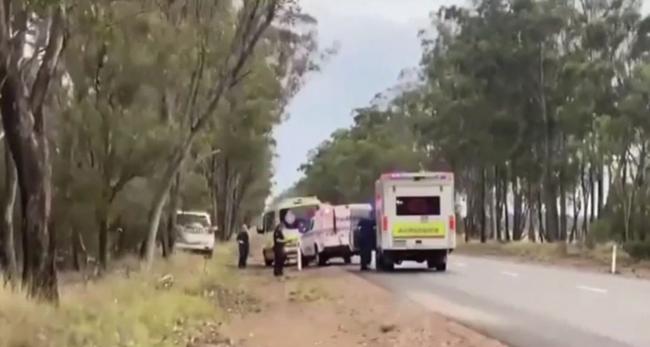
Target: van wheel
(442, 267)
(320, 259)
(431, 264)
(347, 260)
(305, 260)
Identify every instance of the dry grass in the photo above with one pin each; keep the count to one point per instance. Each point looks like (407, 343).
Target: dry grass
(163, 307)
(547, 252)
(307, 290)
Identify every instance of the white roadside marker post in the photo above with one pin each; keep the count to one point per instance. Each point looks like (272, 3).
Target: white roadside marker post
(299, 257)
(613, 259)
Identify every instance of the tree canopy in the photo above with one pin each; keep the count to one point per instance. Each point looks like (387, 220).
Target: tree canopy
(121, 113)
(539, 107)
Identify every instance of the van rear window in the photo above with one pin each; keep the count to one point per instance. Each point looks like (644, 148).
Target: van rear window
(417, 205)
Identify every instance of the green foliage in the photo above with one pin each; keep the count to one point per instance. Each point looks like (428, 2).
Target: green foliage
(639, 250)
(530, 99)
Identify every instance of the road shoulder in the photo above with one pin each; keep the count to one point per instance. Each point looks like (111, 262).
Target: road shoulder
(333, 307)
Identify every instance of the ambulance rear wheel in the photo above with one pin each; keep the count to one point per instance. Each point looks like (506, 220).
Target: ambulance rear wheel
(320, 259)
(384, 263)
(347, 260)
(442, 267)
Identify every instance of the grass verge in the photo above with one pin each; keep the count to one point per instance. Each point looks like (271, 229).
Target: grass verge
(167, 306)
(552, 253)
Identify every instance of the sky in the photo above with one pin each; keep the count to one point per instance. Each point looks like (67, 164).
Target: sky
(377, 40)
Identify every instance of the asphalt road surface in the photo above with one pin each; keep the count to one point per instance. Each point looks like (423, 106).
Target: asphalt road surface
(527, 305)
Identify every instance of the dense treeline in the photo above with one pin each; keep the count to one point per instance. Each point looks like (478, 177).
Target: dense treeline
(541, 108)
(118, 113)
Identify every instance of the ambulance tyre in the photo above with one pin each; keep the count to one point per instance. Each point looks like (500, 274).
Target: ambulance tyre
(384, 263)
(305, 260)
(320, 259)
(347, 260)
(442, 267)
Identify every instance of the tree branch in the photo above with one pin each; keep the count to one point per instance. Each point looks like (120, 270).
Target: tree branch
(46, 70)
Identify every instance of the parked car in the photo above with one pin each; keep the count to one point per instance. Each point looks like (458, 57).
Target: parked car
(194, 232)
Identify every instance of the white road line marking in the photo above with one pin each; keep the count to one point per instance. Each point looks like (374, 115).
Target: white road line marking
(511, 274)
(592, 289)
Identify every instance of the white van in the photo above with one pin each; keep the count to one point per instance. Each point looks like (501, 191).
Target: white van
(330, 232)
(293, 213)
(194, 232)
(415, 218)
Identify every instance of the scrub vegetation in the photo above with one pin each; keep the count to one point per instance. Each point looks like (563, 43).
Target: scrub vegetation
(118, 113)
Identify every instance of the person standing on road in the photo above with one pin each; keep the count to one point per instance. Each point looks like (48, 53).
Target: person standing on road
(366, 240)
(244, 246)
(278, 251)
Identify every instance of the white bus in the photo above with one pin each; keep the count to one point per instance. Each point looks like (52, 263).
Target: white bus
(416, 221)
(294, 213)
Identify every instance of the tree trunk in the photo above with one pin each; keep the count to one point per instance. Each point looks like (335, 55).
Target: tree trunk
(170, 235)
(576, 214)
(30, 151)
(518, 219)
(26, 133)
(601, 190)
(103, 241)
(160, 198)
(592, 195)
(8, 260)
(531, 213)
(563, 208)
(549, 185)
(496, 195)
(585, 201)
(540, 217)
(482, 211)
(79, 253)
(506, 211)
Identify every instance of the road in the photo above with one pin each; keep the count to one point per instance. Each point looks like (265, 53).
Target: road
(529, 305)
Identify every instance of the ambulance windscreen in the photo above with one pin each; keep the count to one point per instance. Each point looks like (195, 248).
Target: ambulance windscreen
(417, 205)
(298, 217)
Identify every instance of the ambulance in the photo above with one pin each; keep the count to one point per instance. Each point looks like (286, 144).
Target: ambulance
(415, 214)
(294, 214)
(330, 233)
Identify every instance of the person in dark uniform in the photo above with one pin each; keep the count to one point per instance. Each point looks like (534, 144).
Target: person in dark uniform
(278, 251)
(244, 246)
(366, 240)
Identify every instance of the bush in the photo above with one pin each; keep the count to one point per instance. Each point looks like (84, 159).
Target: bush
(639, 250)
(600, 232)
